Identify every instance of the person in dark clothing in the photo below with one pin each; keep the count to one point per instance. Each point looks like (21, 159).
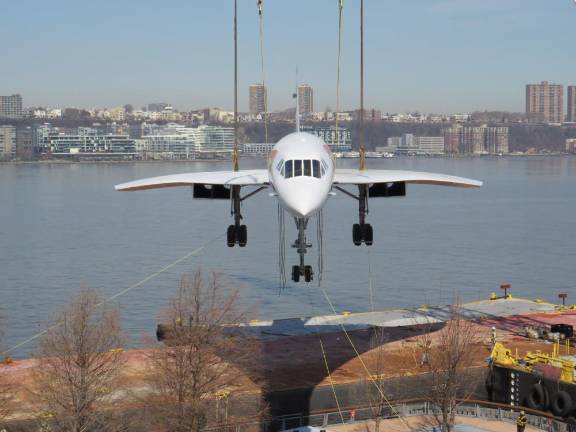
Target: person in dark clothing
(521, 422)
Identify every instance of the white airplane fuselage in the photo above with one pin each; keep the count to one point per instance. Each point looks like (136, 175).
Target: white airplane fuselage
(301, 171)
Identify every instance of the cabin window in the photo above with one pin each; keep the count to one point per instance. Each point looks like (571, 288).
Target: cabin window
(316, 169)
(289, 171)
(308, 168)
(297, 168)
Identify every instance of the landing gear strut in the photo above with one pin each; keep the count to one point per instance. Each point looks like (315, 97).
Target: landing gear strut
(237, 233)
(301, 247)
(362, 232)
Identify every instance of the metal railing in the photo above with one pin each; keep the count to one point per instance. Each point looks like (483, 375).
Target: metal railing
(477, 409)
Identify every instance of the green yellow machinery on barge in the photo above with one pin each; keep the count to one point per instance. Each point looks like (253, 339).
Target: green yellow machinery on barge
(540, 381)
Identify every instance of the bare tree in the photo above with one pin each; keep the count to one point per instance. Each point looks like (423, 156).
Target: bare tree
(80, 361)
(198, 367)
(374, 385)
(447, 356)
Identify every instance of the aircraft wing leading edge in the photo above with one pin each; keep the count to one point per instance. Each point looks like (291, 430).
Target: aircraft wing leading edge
(356, 176)
(237, 178)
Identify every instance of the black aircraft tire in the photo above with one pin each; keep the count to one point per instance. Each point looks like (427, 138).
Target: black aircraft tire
(561, 404)
(537, 398)
(296, 274)
(308, 274)
(242, 235)
(231, 236)
(367, 234)
(356, 234)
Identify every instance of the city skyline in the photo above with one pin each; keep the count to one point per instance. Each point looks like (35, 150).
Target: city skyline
(438, 65)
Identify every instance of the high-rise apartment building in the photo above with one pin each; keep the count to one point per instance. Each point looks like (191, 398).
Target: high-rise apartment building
(545, 102)
(571, 113)
(257, 98)
(305, 99)
(11, 106)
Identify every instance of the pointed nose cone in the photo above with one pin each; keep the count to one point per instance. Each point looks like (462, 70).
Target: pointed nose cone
(307, 202)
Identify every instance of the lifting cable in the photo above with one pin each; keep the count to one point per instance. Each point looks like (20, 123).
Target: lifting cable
(340, 7)
(281, 246)
(320, 242)
(260, 4)
(121, 293)
(380, 391)
(235, 155)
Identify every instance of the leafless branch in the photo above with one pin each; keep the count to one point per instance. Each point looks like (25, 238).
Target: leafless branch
(199, 366)
(80, 361)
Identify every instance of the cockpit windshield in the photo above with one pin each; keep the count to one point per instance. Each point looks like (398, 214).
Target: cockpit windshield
(306, 168)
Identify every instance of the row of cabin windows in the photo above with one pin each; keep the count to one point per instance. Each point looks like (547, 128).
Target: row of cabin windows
(297, 168)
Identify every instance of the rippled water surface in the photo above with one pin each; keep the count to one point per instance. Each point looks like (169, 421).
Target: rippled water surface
(63, 226)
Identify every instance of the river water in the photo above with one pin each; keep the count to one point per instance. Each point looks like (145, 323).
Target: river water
(62, 226)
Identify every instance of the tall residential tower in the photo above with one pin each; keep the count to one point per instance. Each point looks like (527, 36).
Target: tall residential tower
(305, 99)
(257, 94)
(545, 102)
(571, 113)
(11, 106)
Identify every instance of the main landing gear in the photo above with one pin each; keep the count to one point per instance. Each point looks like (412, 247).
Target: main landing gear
(237, 233)
(362, 232)
(301, 247)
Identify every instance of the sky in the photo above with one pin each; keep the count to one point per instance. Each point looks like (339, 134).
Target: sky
(438, 56)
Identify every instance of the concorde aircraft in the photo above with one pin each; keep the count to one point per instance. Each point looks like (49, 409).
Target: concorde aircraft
(302, 175)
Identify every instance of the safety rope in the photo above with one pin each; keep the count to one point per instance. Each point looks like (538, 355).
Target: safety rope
(325, 357)
(340, 7)
(380, 391)
(330, 378)
(260, 5)
(121, 293)
(370, 280)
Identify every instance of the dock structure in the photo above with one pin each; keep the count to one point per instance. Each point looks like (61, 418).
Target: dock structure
(499, 309)
(296, 353)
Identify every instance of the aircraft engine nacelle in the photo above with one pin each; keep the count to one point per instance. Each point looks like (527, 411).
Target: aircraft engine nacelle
(386, 190)
(211, 191)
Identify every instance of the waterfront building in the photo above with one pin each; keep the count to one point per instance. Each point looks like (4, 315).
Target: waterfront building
(571, 145)
(175, 141)
(544, 103)
(257, 98)
(430, 145)
(452, 139)
(257, 148)
(476, 139)
(305, 99)
(409, 144)
(7, 142)
(571, 112)
(11, 107)
(25, 142)
(497, 140)
(339, 140)
(84, 141)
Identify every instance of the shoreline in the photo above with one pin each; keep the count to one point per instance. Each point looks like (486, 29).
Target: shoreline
(256, 157)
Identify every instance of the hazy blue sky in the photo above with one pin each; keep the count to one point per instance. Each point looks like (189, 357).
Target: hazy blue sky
(427, 55)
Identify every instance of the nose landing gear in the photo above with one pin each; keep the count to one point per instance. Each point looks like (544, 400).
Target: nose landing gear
(301, 247)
